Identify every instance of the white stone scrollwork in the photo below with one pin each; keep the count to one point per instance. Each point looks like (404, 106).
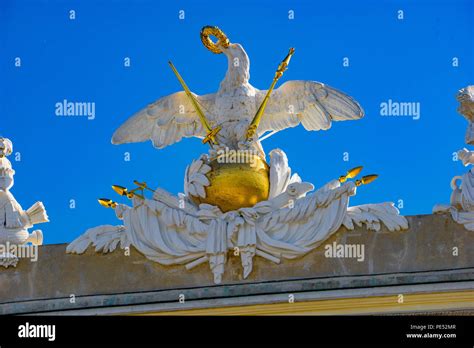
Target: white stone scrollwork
(271, 229)
(195, 177)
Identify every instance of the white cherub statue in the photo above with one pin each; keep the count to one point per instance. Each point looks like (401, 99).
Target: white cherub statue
(14, 221)
(461, 204)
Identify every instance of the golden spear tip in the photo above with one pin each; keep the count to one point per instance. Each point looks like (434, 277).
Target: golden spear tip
(122, 191)
(351, 173)
(367, 179)
(107, 203)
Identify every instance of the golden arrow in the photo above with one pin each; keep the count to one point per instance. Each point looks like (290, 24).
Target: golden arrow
(211, 133)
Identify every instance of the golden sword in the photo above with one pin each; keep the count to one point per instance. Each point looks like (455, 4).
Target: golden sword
(211, 133)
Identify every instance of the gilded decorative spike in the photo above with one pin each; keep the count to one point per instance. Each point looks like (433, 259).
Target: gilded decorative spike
(351, 174)
(367, 179)
(107, 203)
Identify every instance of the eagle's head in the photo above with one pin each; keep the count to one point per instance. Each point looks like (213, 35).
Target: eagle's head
(238, 67)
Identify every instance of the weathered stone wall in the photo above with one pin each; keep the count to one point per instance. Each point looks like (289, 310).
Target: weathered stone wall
(423, 254)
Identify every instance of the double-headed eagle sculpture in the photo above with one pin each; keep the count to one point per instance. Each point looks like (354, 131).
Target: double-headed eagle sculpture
(234, 202)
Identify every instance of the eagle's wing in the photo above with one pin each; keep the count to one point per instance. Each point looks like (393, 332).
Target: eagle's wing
(165, 122)
(312, 104)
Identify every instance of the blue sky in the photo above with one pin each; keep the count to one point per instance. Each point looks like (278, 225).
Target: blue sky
(81, 60)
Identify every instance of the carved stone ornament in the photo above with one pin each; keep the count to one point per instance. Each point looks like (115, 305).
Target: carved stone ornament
(233, 200)
(461, 206)
(14, 221)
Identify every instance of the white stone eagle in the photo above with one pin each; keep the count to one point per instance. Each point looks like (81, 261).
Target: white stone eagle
(169, 119)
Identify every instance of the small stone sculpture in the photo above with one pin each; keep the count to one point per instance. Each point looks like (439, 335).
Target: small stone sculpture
(14, 221)
(461, 204)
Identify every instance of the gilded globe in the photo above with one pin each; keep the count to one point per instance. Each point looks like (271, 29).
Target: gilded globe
(236, 185)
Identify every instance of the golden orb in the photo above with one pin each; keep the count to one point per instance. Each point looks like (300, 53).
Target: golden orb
(236, 185)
